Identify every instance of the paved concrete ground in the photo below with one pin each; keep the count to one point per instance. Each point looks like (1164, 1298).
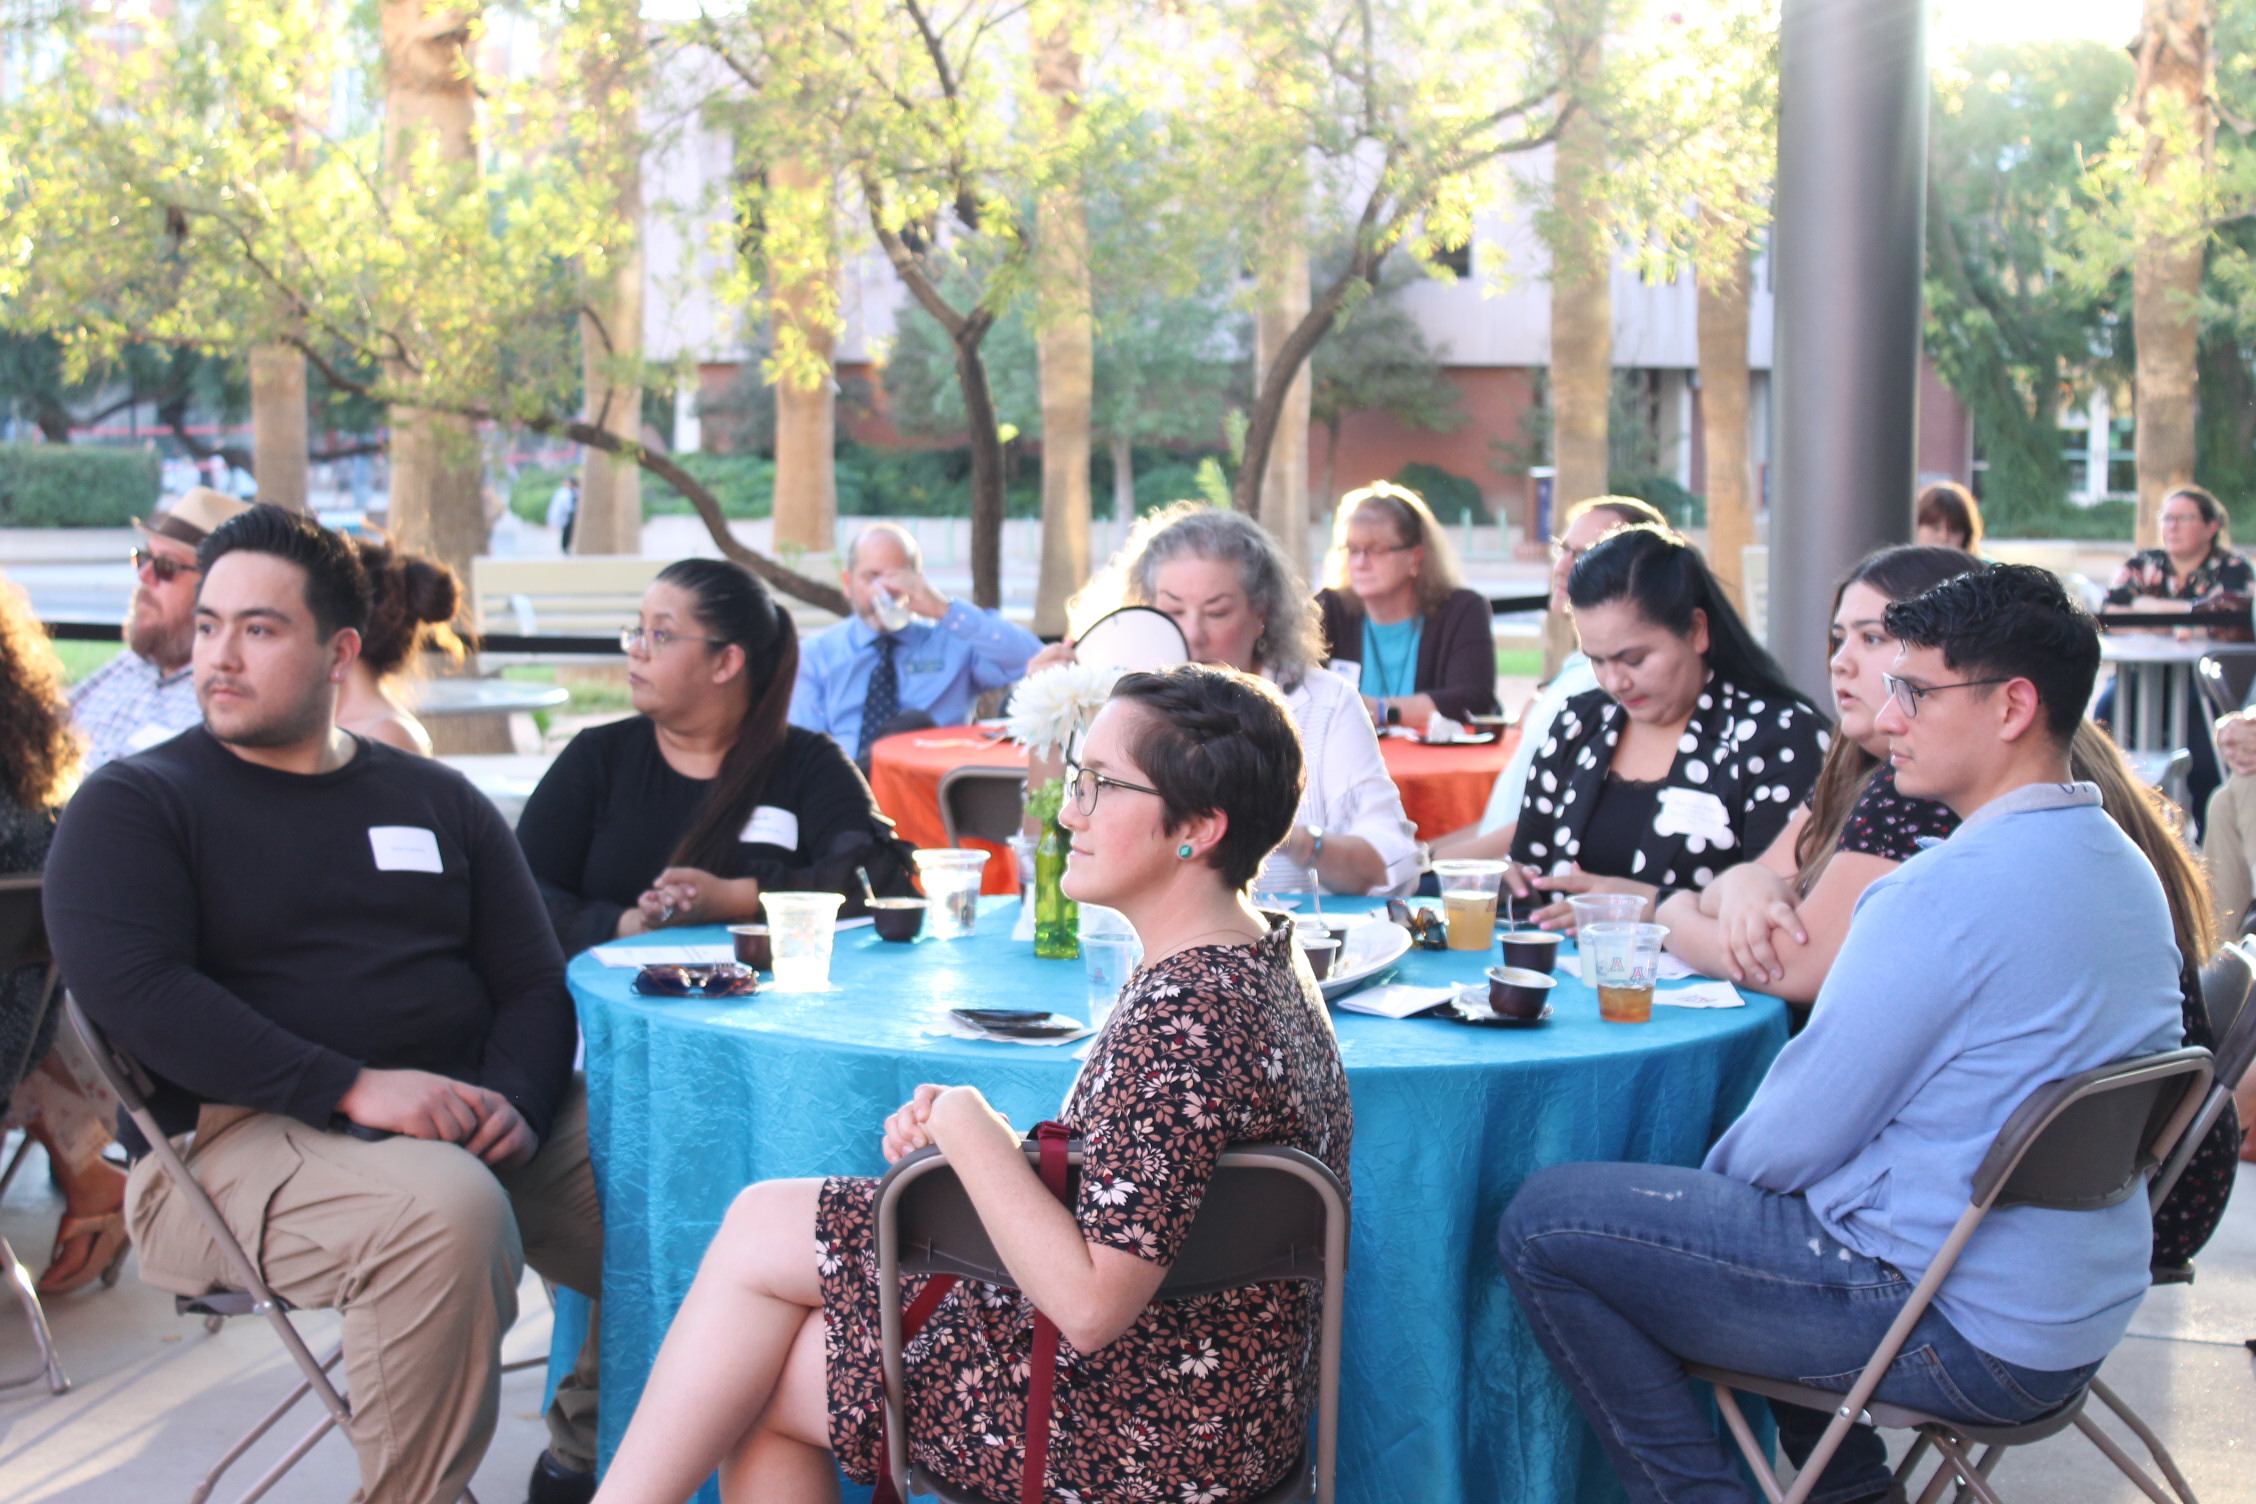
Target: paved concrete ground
(156, 1398)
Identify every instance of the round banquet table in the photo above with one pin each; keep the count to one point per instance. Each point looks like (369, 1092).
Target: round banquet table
(1443, 788)
(1443, 1395)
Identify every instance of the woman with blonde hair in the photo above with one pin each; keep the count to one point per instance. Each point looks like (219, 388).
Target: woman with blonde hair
(1397, 619)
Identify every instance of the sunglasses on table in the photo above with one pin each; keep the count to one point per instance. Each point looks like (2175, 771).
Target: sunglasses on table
(696, 981)
(160, 566)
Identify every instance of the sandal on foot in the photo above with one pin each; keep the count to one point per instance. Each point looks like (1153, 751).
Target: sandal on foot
(104, 1259)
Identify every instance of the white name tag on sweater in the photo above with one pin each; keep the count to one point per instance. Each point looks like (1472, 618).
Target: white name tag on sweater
(1691, 812)
(149, 736)
(770, 826)
(405, 848)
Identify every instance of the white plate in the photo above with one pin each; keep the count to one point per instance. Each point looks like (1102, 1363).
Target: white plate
(1368, 950)
(1134, 639)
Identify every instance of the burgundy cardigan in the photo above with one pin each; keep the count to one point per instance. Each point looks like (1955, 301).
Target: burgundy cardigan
(1456, 649)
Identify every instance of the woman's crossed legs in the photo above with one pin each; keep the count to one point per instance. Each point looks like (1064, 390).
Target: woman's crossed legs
(739, 1382)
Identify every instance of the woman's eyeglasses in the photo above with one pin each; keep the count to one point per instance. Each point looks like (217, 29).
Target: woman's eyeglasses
(658, 639)
(1358, 552)
(162, 568)
(1909, 695)
(1083, 785)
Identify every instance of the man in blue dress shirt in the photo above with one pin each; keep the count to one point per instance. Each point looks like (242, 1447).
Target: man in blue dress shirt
(859, 681)
(2033, 944)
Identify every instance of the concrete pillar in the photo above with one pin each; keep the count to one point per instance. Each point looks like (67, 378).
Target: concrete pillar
(1852, 147)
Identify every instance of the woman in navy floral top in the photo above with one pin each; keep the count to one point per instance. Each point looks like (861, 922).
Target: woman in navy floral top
(771, 1371)
(2195, 569)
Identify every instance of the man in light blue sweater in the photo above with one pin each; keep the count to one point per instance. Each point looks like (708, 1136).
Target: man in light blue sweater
(2033, 944)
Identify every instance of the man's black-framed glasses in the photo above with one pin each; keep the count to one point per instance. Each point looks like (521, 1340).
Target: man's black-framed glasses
(1909, 695)
(1083, 785)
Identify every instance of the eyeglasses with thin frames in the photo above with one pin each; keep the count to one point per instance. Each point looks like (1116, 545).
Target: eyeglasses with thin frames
(633, 639)
(158, 565)
(1357, 551)
(1909, 695)
(1084, 785)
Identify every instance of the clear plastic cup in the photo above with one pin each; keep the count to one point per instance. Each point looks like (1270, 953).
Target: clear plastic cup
(951, 880)
(801, 928)
(1022, 855)
(1601, 908)
(1627, 958)
(1468, 901)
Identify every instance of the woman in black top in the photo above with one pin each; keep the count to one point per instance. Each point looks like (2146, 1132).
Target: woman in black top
(687, 812)
(1692, 751)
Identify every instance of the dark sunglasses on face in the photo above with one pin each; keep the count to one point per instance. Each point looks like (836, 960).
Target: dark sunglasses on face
(160, 566)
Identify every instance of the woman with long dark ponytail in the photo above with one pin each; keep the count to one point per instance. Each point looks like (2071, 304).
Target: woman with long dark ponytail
(687, 812)
(1692, 751)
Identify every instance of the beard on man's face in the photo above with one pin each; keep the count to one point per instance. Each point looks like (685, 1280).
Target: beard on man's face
(149, 636)
(243, 719)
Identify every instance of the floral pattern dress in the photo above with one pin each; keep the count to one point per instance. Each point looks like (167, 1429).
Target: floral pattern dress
(1202, 1401)
(2223, 581)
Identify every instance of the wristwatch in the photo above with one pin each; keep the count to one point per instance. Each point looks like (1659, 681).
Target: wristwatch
(1394, 715)
(1315, 842)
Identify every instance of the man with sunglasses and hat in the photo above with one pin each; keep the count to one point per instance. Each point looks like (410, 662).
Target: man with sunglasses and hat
(147, 694)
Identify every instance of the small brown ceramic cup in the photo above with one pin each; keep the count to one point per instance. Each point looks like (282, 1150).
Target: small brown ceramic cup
(752, 946)
(1531, 950)
(898, 919)
(1516, 992)
(1321, 953)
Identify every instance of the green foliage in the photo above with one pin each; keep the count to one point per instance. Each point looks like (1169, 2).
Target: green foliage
(1376, 359)
(75, 485)
(1451, 496)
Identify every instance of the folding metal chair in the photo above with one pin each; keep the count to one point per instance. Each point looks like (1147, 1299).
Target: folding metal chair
(2226, 981)
(1270, 1213)
(2079, 1144)
(23, 942)
(988, 803)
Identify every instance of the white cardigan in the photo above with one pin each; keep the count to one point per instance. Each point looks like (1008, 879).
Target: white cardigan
(1349, 792)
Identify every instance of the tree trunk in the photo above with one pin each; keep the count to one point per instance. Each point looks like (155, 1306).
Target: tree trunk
(1582, 334)
(1331, 459)
(806, 392)
(278, 425)
(430, 120)
(2172, 110)
(610, 516)
(1065, 328)
(1123, 481)
(1281, 304)
(986, 466)
(1725, 293)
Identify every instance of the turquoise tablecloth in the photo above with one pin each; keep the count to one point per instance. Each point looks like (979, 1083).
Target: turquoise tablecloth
(1444, 1394)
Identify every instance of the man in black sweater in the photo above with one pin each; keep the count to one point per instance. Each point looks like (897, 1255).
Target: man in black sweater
(331, 956)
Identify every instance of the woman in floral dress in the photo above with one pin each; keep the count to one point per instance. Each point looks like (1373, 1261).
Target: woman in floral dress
(1187, 780)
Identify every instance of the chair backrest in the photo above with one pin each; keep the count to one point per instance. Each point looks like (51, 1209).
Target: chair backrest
(121, 1073)
(988, 803)
(2226, 982)
(2090, 1140)
(1265, 1216)
(2225, 675)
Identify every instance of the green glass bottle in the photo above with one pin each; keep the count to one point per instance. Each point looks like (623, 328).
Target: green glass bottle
(1057, 918)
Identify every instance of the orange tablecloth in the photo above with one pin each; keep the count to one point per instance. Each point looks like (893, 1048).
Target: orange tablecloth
(1443, 788)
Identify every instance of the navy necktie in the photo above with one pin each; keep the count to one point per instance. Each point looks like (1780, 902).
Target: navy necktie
(883, 702)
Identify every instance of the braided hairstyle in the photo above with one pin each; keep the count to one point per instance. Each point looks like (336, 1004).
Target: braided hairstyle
(1216, 739)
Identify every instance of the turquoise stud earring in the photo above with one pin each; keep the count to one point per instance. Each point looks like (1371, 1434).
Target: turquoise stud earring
(1184, 851)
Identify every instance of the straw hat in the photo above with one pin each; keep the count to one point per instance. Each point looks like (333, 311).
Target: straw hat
(194, 516)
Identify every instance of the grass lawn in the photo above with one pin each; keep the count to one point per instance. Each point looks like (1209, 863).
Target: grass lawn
(1520, 663)
(82, 658)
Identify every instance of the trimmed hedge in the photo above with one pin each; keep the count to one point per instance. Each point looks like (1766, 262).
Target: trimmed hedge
(75, 485)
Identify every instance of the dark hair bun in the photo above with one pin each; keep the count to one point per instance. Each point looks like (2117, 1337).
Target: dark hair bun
(434, 592)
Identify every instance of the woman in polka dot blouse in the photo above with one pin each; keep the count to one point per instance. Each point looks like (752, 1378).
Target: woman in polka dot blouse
(1691, 753)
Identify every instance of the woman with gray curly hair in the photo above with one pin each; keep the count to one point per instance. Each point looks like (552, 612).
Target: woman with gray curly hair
(1241, 604)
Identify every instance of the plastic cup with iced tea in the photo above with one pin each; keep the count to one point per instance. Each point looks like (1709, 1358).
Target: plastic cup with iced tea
(1468, 901)
(1627, 958)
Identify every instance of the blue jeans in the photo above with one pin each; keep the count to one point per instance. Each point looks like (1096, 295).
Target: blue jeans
(1628, 1272)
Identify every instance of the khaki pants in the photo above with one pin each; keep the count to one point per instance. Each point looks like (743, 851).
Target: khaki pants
(2228, 846)
(421, 1247)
